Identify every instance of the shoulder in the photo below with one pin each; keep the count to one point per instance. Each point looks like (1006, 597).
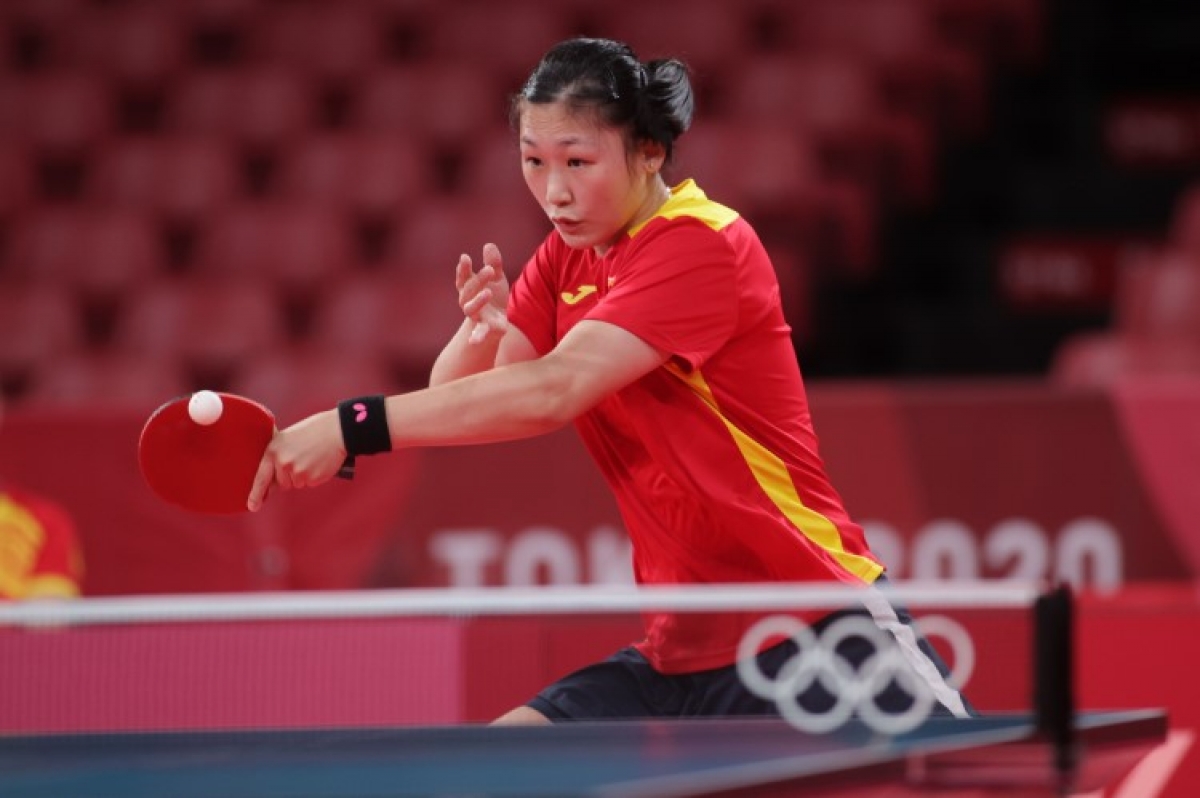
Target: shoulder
(689, 214)
(689, 204)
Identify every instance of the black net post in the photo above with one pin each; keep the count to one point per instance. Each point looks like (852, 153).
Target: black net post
(1053, 683)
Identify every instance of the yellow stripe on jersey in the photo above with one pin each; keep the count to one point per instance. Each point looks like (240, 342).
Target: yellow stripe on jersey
(688, 200)
(772, 476)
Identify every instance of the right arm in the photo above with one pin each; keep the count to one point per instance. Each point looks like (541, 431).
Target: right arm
(594, 360)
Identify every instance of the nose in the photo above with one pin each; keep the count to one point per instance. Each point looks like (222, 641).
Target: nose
(558, 193)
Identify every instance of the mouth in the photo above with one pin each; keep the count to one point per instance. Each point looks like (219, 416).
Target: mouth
(564, 224)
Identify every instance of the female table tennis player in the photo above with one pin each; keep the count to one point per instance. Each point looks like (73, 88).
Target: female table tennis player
(651, 319)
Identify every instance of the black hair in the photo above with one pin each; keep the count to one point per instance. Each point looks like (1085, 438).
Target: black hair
(651, 101)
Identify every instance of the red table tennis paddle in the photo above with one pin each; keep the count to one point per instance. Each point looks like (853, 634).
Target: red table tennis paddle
(206, 468)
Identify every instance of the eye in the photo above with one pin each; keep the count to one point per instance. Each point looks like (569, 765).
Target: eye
(573, 162)
(531, 161)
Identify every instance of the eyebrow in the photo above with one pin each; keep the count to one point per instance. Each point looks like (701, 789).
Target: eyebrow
(565, 142)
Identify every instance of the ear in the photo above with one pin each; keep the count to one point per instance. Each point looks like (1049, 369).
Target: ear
(653, 156)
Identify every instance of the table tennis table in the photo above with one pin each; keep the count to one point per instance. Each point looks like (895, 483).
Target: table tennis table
(764, 757)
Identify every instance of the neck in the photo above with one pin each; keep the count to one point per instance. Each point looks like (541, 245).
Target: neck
(657, 194)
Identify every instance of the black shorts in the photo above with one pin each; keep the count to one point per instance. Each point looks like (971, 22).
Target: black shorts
(626, 685)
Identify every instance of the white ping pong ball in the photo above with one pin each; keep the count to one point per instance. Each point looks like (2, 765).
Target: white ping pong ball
(205, 407)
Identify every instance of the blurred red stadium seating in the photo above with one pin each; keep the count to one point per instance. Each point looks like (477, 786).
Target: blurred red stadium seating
(429, 240)
(294, 381)
(176, 178)
(12, 109)
(1184, 231)
(795, 289)
(130, 44)
(920, 69)
(772, 174)
(756, 169)
(711, 36)
(378, 176)
(38, 324)
(404, 320)
(45, 12)
(1155, 331)
(56, 113)
(1103, 358)
(808, 147)
(257, 106)
(492, 166)
(837, 101)
(443, 104)
(210, 327)
(298, 248)
(18, 181)
(97, 254)
(106, 379)
(42, 22)
(1008, 32)
(1160, 297)
(231, 13)
(322, 41)
(501, 39)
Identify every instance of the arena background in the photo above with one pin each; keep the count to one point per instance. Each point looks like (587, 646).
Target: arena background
(985, 215)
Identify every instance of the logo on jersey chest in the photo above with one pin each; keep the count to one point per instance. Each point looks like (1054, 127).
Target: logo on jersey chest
(581, 293)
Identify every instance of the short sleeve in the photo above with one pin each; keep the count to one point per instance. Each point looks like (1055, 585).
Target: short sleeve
(531, 306)
(677, 291)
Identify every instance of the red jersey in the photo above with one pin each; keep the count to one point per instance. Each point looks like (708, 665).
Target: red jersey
(712, 457)
(39, 553)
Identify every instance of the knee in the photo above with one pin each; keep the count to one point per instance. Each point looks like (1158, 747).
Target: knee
(522, 716)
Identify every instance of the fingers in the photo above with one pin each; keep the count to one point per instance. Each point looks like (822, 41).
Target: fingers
(491, 257)
(462, 271)
(473, 286)
(274, 473)
(479, 333)
(479, 292)
(495, 320)
(490, 321)
(465, 277)
(469, 282)
(477, 303)
(264, 478)
(307, 454)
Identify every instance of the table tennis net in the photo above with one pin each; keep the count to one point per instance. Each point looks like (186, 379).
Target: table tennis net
(419, 657)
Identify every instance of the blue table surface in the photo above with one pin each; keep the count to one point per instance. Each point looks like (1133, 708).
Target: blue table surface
(602, 758)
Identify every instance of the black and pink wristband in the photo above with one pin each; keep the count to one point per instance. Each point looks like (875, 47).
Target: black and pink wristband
(364, 428)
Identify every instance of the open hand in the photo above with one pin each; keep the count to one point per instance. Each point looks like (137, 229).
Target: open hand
(483, 294)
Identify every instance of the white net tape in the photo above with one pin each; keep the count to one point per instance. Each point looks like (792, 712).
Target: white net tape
(816, 661)
(564, 600)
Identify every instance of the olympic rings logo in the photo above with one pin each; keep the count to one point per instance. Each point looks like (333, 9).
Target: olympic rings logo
(817, 661)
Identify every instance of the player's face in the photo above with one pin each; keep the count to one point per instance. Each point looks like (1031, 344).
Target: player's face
(582, 175)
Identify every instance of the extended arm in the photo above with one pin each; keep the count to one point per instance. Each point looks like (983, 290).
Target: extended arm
(520, 400)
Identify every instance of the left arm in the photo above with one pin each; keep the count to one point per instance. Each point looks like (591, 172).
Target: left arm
(521, 400)
(483, 297)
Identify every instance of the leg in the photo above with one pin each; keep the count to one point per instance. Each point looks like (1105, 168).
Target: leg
(623, 686)
(522, 716)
